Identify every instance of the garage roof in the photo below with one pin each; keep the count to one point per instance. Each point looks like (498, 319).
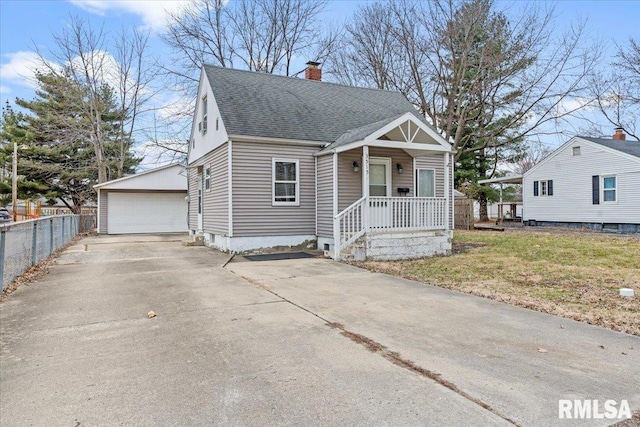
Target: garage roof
(163, 178)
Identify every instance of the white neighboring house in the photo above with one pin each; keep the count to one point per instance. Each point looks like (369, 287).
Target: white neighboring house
(587, 182)
(148, 202)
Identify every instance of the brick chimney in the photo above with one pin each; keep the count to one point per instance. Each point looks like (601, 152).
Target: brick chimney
(619, 135)
(313, 72)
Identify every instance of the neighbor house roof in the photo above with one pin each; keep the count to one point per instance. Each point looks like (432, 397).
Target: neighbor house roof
(628, 147)
(267, 105)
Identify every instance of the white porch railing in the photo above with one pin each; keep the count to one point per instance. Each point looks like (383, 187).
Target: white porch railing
(386, 214)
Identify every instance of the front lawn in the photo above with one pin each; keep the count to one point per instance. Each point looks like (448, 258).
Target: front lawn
(571, 275)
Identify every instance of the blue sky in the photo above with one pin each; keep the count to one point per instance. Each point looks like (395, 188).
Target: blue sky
(25, 23)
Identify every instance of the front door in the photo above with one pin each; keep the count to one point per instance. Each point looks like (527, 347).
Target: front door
(380, 215)
(200, 182)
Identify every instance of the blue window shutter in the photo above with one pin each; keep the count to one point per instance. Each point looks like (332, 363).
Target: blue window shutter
(550, 187)
(535, 188)
(595, 186)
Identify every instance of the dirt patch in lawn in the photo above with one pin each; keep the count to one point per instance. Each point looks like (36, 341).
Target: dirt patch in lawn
(574, 276)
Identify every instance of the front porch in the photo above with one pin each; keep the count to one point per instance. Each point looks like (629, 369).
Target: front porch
(390, 228)
(386, 195)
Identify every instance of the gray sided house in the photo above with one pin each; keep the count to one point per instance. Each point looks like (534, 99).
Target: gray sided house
(284, 162)
(587, 182)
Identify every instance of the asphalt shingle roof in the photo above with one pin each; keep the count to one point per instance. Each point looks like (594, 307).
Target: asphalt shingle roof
(629, 147)
(267, 105)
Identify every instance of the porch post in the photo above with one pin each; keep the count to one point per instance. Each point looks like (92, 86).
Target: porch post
(447, 193)
(336, 224)
(365, 186)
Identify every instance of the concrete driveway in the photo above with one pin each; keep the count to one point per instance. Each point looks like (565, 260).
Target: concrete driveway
(292, 342)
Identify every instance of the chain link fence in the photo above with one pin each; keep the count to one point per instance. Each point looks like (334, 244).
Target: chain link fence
(24, 244)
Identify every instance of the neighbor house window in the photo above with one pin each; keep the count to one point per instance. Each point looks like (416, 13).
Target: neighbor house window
(286, 182)
(576, 151)
(609, 189)
(543, 188)
(207, 178)
(426, 182)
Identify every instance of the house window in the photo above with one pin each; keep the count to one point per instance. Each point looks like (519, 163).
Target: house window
(576, 151)
(207, 178)
(426, 182)
(205, 110)
(543, 188)
(609, 187)
(286, 182)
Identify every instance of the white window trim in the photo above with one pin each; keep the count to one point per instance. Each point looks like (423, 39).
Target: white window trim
(546, 187)
(273, 182)
(417, 180)
(602, 189)
(207, 178)
(388, 177)
(205, 113)
(575, 151)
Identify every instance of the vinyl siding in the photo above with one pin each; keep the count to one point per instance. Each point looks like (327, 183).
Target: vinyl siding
(397, 180)
(325, 196)
(436, 162)
(216, 200)
(104, 206)
(253, 214)
(572, 186)
(350, 183)
(193, 198)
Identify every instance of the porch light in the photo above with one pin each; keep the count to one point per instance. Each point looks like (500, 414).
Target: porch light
(356, 166)
(399, 167)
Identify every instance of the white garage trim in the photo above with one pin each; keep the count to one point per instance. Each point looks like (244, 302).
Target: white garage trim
(146, 212)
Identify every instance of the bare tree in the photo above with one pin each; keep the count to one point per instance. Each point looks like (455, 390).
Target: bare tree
(484, 80)
(97, 63)
(533, 153)
(616, 92)
(258, 35)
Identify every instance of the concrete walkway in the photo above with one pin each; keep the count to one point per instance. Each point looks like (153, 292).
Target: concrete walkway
(251, 345)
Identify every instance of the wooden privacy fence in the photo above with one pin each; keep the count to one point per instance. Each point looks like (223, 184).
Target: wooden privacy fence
(463, 218)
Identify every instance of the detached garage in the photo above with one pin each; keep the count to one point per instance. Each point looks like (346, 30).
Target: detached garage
(148, 202)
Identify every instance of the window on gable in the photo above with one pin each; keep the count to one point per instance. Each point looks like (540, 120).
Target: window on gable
(576, 151)
(609, 189)
(543, 188)
(205, 111)
(207, 178)
(286, 182)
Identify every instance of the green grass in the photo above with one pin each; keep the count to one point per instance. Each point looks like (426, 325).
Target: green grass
(575, 275)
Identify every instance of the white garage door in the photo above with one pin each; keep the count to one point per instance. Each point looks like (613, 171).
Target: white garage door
(146, 213)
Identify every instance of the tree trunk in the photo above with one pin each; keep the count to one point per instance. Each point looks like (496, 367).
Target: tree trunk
(482, 200)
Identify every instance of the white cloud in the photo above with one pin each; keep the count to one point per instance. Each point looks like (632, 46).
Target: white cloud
(153, 13)
(5, 89)
(21, 68)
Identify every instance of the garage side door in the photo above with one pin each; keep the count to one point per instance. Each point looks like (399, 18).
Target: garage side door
(146, 212)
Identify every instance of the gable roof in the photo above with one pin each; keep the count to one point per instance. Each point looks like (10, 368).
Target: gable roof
(166, 177)
(267, 105)
(628, 147)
